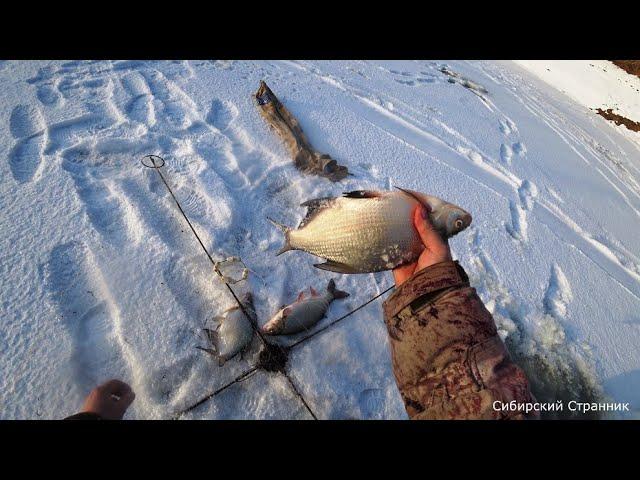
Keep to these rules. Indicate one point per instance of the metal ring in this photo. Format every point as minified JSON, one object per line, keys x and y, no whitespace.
{"x":155,"y":160}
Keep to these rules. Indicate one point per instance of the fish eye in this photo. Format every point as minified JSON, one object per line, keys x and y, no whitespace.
{"x":458,"y":224}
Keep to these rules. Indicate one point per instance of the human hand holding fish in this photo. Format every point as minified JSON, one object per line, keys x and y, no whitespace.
{"x":436,"y":249}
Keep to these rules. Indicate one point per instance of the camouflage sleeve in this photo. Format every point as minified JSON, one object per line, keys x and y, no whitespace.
{"x":84,"y":416}
{"x":448,"y":359}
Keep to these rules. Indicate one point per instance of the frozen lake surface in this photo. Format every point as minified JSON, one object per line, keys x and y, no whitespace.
{"x":101,"y":277}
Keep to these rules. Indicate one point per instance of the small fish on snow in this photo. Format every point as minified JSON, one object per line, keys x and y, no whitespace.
{"x":369,"y":231}
{"x":304,"y":313}
{"x":233,"y":333}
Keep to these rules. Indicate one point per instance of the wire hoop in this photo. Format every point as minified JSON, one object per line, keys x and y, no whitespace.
{"x":152,"y":161}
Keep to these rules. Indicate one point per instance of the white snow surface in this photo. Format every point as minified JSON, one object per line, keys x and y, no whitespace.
{"x":593,"y":84}
{"x":101,"y":277}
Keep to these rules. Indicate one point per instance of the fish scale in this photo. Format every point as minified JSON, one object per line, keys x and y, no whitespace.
{"x":234,"y":332}
{"x":350,"y":227}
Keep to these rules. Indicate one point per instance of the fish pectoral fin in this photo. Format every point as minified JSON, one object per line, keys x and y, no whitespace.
{"x":337,"y":267}
{"x":212,"y":336}
{"x":210,"y":351}
{"x":362,"y":194}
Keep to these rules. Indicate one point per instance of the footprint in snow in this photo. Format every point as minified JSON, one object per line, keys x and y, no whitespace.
{"x":27,"y":126}
{"x":222,"y":114}
{"x":75,"y":285}
{"x":558,"y":294}
{"x":506,"y":153}
{"x":527,"y":193}
{"x":507,"y":126}
{"x":46,"y":87}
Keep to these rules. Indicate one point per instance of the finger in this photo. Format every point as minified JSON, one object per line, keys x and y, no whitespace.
{"x":116,"y":387}
{"x":429,"y":236}
{"x":127,"y":399}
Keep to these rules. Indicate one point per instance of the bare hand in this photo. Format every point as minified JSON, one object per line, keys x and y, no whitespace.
{"x":110,"y":400}
{"x":436,"y":249}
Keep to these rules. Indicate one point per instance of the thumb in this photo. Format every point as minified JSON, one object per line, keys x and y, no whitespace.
{"x":428,"y":234}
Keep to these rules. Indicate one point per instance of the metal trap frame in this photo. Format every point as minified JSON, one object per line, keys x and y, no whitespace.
{"x":272,"y":357}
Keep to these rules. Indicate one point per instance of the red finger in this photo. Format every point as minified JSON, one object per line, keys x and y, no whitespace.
{"x":403,"y":272}
{"x":127,"y":399}
{"x":429,"y":236}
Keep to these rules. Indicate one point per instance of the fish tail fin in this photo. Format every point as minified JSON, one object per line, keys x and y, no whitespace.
{"x":331,"y":288}
{"x":282,"y":227}
{"x":287,"y":245}
{"x":285,"y":248}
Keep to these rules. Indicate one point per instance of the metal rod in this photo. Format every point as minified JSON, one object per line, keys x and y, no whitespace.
{"x":239,"y":378}
{"x":245,"y":374}
{"x":215,"y":268}
{"x":213,"y":262}
{"x":304,"y":402}
{"x":331,"y":324}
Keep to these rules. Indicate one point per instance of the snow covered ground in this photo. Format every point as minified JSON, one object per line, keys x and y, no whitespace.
{"x":593,"y":84}
{"x":100,"y":276}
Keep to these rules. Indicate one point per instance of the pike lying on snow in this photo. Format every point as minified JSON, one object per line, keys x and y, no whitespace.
{"x":304,"y":313}
{"x":368,"y":231}
{"x":233,"y":333}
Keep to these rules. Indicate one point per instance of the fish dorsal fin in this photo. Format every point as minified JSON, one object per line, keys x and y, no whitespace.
{"x":410,"y":194}
{"x":314,"y":207}
{"x":313,"y":292}
{"x":300,"y":297}
{"x":335,"y":267}
{"x":316,"y":203}
{"x":362,"y":194}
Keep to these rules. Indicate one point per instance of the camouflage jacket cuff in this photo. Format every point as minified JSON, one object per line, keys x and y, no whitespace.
{"x":428,"y":280}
